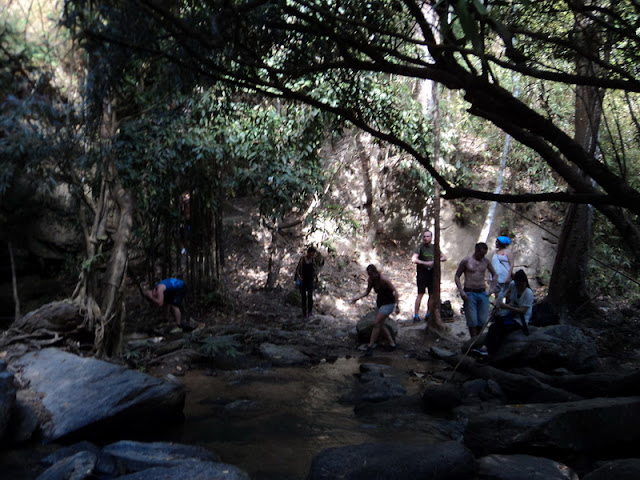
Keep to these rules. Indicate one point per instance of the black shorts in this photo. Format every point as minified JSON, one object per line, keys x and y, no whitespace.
{"x":175,"y":297}
{"x":424,"y":279}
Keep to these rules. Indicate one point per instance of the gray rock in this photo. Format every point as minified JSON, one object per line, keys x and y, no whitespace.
{"x":547,"y":349}
{"x":365,"y":325}
{"x":191,"y":470}
{"x":378,"y":383}
{"x":283,"y":355}
{"x":481,"y":390}
{"x":624,"y":469}
{"x":579,"y":426}
{"x":129,"y":457}
{"x":25,"y":421}
{"x":69,"y":451}
{"x":79,"y":466}
{"x":7,"y":399}
{"x":394,"y":461}
{"x":518,"y":467}
{"x":441,"y":397}
{"x":93,"y":398}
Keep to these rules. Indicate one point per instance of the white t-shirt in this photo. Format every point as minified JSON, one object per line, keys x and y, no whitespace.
{"x":524,"y":300}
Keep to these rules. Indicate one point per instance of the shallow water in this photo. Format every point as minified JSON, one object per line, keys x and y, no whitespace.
{"x":272,"y":422}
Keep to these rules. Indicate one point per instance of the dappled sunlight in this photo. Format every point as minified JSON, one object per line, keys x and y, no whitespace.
{"x":343,"y":306}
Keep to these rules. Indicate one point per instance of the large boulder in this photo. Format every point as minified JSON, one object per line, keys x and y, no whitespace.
{"x":378,"y":383}
{"x":623,"y":469}
{"x":93,"y":398}
{"x":138,"y":461}
{"x":365,"y":326}
{"x":580,"y":426}
{"x":283,"y":355}
{"x":548,"y":348}
{"x":394,"y":461}
{"x":7,"y":397}
{"x":518,"y":467}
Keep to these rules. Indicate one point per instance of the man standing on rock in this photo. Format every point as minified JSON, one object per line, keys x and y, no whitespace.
{"x":474,"y":294}
{"x":423,"y":257}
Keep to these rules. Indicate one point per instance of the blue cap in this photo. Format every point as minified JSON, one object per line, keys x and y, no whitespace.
{"x":504,"y":240}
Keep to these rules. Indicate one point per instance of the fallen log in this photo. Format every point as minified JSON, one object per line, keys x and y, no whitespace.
{"x":590,"y":385}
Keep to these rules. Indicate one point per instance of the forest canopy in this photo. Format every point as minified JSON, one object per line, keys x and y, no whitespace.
{"x":229,"y":93}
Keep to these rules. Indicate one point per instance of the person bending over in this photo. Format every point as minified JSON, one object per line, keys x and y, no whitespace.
{"x":386,"y":302}
{"x":168,"y":293}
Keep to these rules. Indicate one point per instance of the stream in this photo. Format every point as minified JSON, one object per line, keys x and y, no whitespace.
{"x":272,"y":422}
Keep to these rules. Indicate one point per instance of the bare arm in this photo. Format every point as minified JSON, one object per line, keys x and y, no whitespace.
{"x":416,"y":259}
{"x":369,"y":287}
{"x":156,"y":296}
{"x":298,"y":274}
{"x":511,"y":264}
{"x":459,"y":272}
{"x":494,"y":278}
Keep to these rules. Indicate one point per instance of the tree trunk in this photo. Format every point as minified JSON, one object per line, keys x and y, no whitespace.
{"x":14,"y":283}
{"x":568,"y":286}
{"x":276,"y":254}
{"x":111,"y":325}
{"x":370,"y":189}
{"x":434,"y":320}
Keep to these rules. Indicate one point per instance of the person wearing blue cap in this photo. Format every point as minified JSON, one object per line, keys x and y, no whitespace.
{"x":502,"y":262}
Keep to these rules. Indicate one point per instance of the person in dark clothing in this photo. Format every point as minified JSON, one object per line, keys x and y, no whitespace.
{"x":386,"y":302}
{"x":168,"y":293}
{"x":423,"y":257}
{"x":305,"y":280}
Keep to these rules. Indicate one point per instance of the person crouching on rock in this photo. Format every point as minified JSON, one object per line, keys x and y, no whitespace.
{"x":386,"y":302}
{"x":168,"y":293}
{"x":514,"y":314}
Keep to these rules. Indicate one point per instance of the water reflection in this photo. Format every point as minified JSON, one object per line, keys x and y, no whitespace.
{"x":272,"y":422}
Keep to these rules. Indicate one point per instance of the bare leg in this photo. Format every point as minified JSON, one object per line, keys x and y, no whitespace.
{"x":378,"y":322}
{"x":430,"y":305}
{"x":176,"y":313}
{"x":387,"y":334}
{"x":416,"y":308}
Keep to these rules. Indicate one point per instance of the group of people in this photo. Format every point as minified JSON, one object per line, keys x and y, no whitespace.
{"x":512,"y":306}
{"x":513,"y":297}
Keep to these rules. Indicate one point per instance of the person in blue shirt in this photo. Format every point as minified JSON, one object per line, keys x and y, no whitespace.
{"x":168,"y":293}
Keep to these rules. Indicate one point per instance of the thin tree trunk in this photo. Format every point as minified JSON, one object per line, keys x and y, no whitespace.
{"x":276,"y":254}
{"x":14,"y":283}
{"x":568,"y":286}
{"x":434,"y":319}
{"x":370,"y":190}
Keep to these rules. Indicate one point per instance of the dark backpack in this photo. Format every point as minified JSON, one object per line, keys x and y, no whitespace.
{"x":544,"y":314}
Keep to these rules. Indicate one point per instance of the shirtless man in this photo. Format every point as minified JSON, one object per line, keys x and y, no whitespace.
{"x":474,"y":294}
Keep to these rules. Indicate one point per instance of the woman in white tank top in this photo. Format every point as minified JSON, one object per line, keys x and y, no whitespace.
{"x":502,"y":262}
